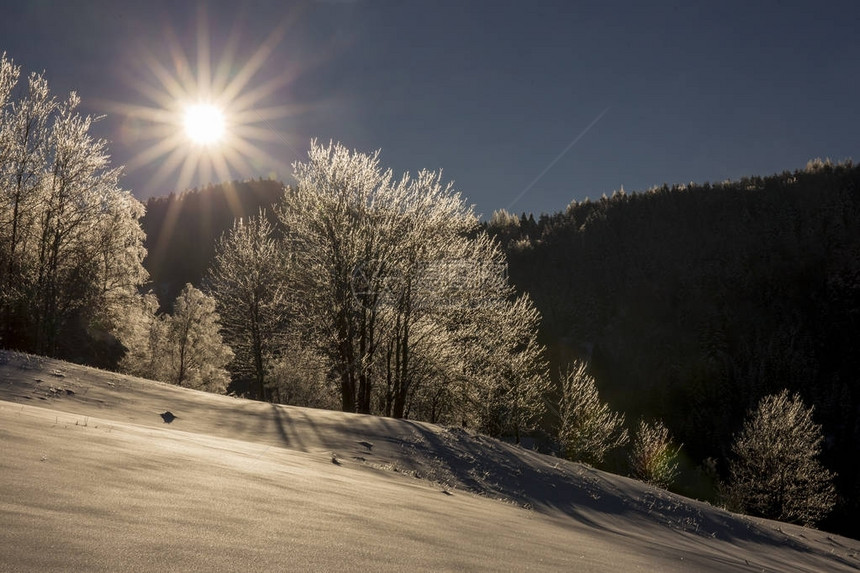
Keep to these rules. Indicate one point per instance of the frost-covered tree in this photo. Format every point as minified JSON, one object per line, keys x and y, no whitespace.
{"x":398,"y":285}
{"x":247,"y":280}
{"x":429,"y":253}
{"x":506,"y":382}
{"x":330,"y":220}
{"x":183,"y":348}
{"x":196,"y":354}
{"x":143,"y":334}
{"x":654,"y":458}
{"x":70,"y":242}
{"x":776,"y":472}
{"x":300,"y":377}
{"x":588,"y":428}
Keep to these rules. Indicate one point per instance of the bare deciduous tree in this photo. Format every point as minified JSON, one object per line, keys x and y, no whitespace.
{"x":506,"y":382}
{"x":404,"y":295}
{"x":70,"y":243}
{"x":327,"y":221}
{"x":776,"y":472}
{"x":142,"y":333}
{"x":654,"y":458}
{"x":300,"y":377}
{"x":184,"y":348}
{"x":589,"y":429}
{"x":247,"y":280}
{"x":197,"y":355}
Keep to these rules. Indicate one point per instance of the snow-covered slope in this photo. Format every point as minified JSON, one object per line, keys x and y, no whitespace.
{"x":92,"y":478}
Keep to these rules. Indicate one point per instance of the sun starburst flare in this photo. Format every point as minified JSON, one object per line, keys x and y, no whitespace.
{"x":206,"y":123}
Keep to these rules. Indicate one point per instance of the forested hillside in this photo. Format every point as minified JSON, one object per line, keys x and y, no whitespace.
{"x":693,"y":302}
{"x":181,"y":229}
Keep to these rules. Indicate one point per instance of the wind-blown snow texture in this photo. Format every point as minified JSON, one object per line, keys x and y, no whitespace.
{"x":94,"y":479}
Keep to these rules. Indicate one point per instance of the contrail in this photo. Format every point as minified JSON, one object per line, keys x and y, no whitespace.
{"x":554,"y":161}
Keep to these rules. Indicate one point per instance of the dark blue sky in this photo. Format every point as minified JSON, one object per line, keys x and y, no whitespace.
{"x":492,"y":92}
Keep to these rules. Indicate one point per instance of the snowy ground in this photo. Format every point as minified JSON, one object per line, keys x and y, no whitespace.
{"x":92,"y":479}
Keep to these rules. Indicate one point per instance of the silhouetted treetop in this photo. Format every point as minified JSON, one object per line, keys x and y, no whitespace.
{"x":181,"y":229}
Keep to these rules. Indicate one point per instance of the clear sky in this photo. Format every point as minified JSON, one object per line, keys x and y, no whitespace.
{"x":524,"y":105}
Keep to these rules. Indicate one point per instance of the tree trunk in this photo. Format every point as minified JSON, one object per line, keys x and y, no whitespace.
{"x":347,"y":392}
{"x":259,"y":369}
{"x":403,"y":382}
{"x":389,"y":380}
{"x":365,"y":368}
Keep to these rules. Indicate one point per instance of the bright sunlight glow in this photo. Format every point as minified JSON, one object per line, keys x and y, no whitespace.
{"x":207,"y":119}
{"x":204,"y":124}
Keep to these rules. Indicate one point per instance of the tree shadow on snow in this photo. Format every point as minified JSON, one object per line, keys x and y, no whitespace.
{"x":497,"y":469}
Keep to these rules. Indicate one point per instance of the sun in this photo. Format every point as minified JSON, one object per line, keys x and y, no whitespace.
{"x":204,"y":123}
{"x":206,"y":119}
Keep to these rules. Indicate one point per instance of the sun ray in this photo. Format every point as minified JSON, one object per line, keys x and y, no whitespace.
{"x":178,"y":86}
{"x":173,"y":82}
{"x":222,"y":170}
{"x":159,"y":96}
{"x":252,"y":114}
{"x":130,"y":111}
{"x":237,"y":160}
{"x":260,"y":93}
{"x":192,"y":163}
{"x":247,"y":72}
{"x":257,"y":133}
{"x":155,"y":151}
{"x":166,"y":236}
{"x":204,"y":86}
{"x":221,"y":77}
{"x":253,"y":152}
{"x":170,"y":165}
{"x":181,"y":63}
